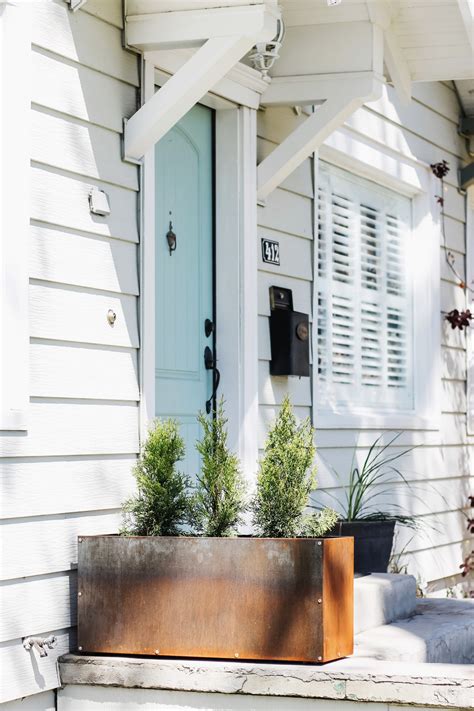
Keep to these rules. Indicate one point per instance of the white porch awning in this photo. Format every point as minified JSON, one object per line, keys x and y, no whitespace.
{"x":333,"y":57}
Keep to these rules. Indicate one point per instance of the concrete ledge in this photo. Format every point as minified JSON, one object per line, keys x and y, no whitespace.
{"x":381,"y":598}
{"x":355,"y":679}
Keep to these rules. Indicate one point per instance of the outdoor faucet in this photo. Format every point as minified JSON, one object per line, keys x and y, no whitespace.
{"x":41,"y":644}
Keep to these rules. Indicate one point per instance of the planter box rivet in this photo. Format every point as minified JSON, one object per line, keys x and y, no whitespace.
{"x":280,"y":599}
{"x":79,"y":594}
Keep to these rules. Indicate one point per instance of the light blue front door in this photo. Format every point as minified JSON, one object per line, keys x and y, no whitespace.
{"x":184,"y":275}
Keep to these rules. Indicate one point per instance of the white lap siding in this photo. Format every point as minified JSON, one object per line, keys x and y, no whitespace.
{"x":69,"y":473}
{"x":440,"y":470}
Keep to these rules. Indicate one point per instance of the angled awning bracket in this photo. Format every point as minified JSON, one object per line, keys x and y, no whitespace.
{"x":213,"y":59}
{"x":340,"y":99}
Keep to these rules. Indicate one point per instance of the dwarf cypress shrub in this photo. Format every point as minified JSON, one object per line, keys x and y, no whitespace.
{"x":218,"y":502}
{"x":161,"y":505}
{"x":286,"y":478}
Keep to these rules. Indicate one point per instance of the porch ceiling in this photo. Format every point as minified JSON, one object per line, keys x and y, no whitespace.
{"x":435,"y":38}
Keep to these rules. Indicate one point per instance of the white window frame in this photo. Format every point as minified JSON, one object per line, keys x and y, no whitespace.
{"x":236,"y":267}
{"x":15,"y":78}
{"x":371,"y":160}
{"x":470,"y":305}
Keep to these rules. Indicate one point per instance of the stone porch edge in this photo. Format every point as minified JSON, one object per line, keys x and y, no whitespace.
{"x":354,"y":679}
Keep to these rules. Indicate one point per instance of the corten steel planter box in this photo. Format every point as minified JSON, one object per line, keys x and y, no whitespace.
{"x":246,"y":598}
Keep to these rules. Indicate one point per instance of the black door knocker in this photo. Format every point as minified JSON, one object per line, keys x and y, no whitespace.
{"x":171,"y":239}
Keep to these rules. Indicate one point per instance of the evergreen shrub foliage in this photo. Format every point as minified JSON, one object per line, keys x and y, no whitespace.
{"x":286,"y":478}
{"x":161,"y":506}
{"x":219,"y":500}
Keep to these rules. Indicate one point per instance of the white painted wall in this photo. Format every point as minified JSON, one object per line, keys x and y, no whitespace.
{"x":439,"y":470}
{"x":97,"y":698}
{"x":70,"y":471}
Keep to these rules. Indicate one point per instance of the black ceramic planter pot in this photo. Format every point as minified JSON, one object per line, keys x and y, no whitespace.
{"x":372,"y":543}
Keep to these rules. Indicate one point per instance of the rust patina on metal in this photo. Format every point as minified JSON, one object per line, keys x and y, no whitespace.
{"x":245,"y":598}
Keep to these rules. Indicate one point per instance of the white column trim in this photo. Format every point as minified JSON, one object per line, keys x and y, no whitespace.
{"x":147,"y":270}
{"x":237,"y":279}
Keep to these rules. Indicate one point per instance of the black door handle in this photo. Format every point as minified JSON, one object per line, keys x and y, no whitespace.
{"x":210,"y":364}
{"x":217,"y":379}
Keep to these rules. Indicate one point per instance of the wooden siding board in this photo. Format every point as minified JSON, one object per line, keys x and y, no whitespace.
{"x":272,"y":390}
{"x":434,"y":530}
{"x":437,"y":563}
{"x":49,"y":545}
{"x":453,"y":396}
{"x":81,"y":38}
{"x":63,"y":200}
{"x":73,"y":89}
{"x":43,"y":701}
{"x":295,"y":255}
{"x":76,"y":371}
{"x":65,"y":428}
{"x":452,"y":432}
{"x":73,"y":314}
{"x":24,"y":673}
{"x":439,"y":98}
{"x":86,"y":260}
{"x":29,"y":607}
{"x":455,"y":235}
{"x":287,"y":212}
{"x":421,"y":499}
{"x":334,"y":464}
{"x":88,"y":150}
{"x":62,"y":484}
{"x":454,"y":364}
{"x":419,"y":120}
{"x":264,"y":348}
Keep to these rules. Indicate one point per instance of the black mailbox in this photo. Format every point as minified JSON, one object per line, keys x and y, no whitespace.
{"x":289,"y":335}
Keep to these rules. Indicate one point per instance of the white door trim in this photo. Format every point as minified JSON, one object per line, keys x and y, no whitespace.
{"x":236,"y":275}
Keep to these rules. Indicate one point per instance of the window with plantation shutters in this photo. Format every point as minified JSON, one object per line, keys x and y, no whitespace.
{"x":364,"y":314}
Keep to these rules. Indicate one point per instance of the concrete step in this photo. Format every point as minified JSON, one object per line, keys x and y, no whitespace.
{"x":381,"y":598}
{"x":441,"y":632}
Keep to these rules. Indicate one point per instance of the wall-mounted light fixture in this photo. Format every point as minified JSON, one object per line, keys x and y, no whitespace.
{"x":266,"y":53}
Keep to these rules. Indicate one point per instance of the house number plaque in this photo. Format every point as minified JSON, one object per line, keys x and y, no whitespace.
{"x":271,"y":252}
